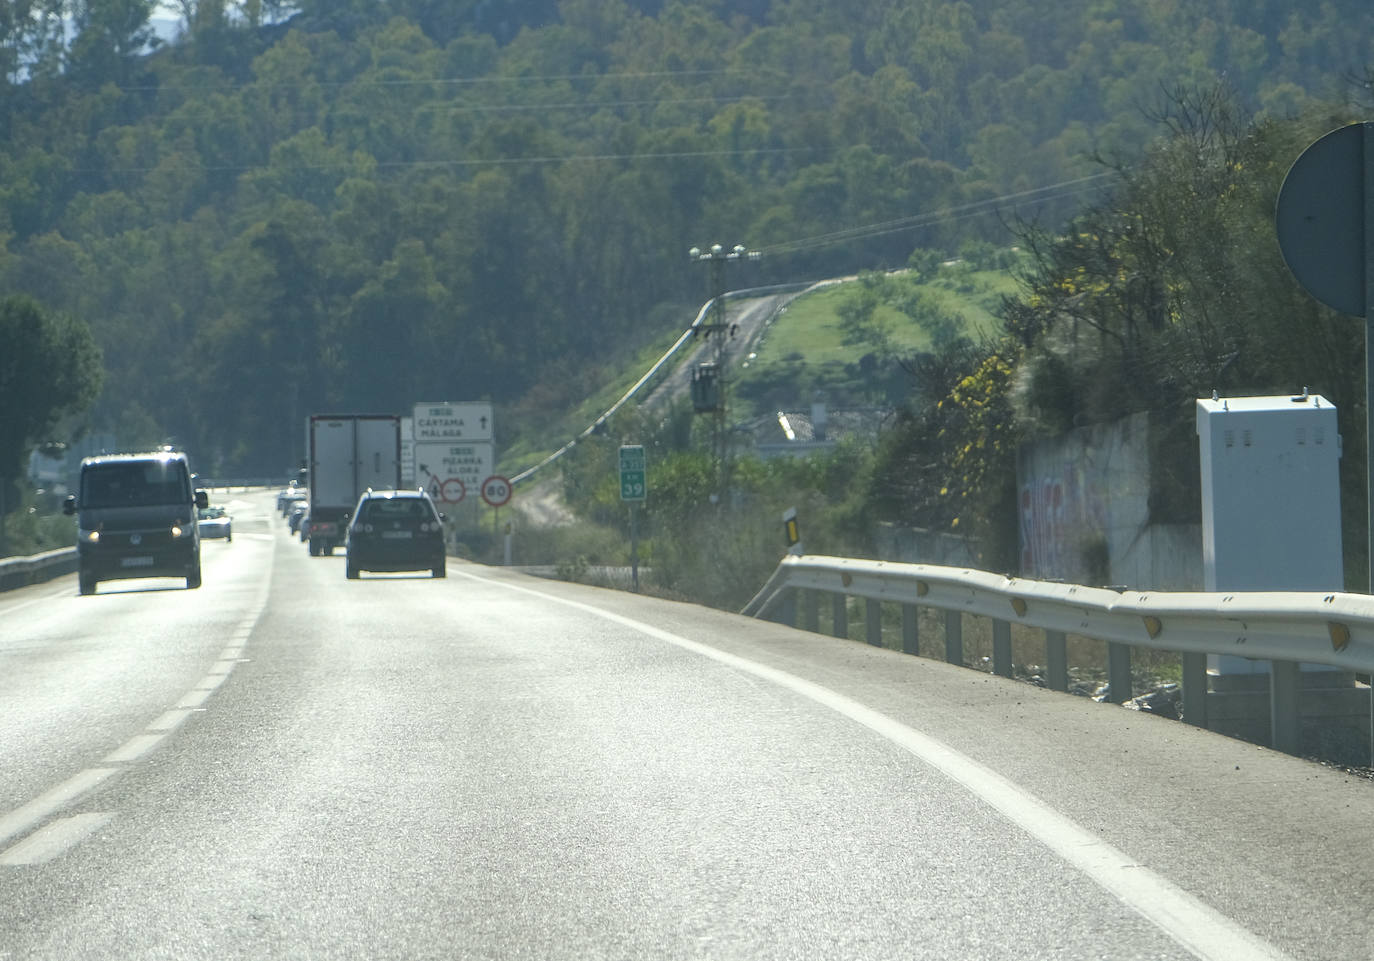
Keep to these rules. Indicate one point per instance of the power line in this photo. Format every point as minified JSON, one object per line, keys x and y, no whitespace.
{"x":595,"y":104}
{"x":595,"y":158}
{"x":442,"y":164}
{"x":431,"y":81}
{"x":948,"y":214}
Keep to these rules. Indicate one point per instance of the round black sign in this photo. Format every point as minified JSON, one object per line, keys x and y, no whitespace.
{"x":1321,"y":217}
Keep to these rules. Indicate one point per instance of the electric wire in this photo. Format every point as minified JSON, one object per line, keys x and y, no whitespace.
{"x":594,"y":104}
{"x":1066,"y":188}
{"x":427,"y":81}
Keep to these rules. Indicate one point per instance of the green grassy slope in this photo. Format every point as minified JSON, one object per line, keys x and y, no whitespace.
{"x":806,"y":355}
{"x":803,"y":355}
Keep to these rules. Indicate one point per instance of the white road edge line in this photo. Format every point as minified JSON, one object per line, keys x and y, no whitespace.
{"x":53,"y":839}
{"x":23,"y":818}
{"x":1205,"y":932}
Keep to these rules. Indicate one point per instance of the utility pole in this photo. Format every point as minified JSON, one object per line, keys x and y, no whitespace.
{"x":709,"y":392}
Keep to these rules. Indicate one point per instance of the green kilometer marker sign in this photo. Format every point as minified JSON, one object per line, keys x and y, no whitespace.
{"x":633,"y":484}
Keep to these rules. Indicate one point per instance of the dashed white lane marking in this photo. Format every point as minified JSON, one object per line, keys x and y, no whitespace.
{"x":53,"y":839}
{"x":1206,"y":933}
{"x":21,"y":819}
{"x":58,"y":836}
{"x":134,"y":748}
{"x":170,"y":721}
{"x":211,"y":681}
{"x":194,"y":699}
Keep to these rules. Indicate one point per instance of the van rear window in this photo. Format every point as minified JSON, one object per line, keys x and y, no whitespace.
{"x":135,"y":484}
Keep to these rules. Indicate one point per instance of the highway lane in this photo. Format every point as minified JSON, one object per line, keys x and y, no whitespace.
{"x":78,"y":675}
{"x":491,"y":766}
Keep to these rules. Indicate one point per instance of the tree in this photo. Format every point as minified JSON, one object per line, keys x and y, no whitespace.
{"x":1173,"y":286}
{"x":200,"y":16}
{"x":32,"y":36}
{"x":265,"y":356}
{"x":110,"y":35}
{"x":949,"y":462}
{"x":50,"y":368}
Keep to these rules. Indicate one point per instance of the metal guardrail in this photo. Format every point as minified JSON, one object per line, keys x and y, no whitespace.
{"x":22,"y":571}
{"x":1286,"y":628}
{"x":240,"y":485}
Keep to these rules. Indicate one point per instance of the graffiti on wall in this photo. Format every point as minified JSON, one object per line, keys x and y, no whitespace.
{"x":1082,"y":499}
{"x":1060,"y":517}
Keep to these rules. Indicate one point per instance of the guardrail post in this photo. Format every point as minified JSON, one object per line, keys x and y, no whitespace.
{"x":811,"y":611}
{"x":1001,"y":648}
{"x":873,"y":621}
{"x":787,"y":609}
{"x":954,"y":637}
{"x":911,"y":631}
{"x":1195,"y":689}
{"x":1118,"y":672}
{"x":1056,"y":660}
{"x":839,"y":615}
{"x":1284,"y":728}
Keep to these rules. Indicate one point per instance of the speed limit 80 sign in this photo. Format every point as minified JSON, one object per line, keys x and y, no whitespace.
{"x":496,"y":490}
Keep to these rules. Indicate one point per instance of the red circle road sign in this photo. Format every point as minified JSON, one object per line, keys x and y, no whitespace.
{"x":496,"y":490}
{"x":452,"y":491}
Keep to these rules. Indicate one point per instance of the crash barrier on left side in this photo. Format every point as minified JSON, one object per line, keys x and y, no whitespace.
{"x":37,"y":568}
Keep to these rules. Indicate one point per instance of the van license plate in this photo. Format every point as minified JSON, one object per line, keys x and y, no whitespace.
{"x":396,"y":535}
{"x":135,"y":562}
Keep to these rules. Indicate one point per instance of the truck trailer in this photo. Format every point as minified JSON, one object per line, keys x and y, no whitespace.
{"x":348,"y":453}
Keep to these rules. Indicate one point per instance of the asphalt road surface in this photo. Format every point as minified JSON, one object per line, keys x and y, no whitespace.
{"x":289,"y":764}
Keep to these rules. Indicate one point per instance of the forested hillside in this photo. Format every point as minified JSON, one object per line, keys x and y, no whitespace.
{"x":357,"y":204}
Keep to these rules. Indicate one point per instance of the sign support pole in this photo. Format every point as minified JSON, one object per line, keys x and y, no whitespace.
{"x":1368,"y":166}
{"x":1326,"y":236}
{"x":634,"y":487}
{"x":634,"y":546}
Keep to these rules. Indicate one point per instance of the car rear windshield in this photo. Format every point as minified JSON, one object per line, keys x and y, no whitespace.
{"x":397,"y":508}
{"x":135,"y":484}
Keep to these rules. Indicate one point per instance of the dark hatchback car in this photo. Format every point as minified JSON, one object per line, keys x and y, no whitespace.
{"x":395,"y":531}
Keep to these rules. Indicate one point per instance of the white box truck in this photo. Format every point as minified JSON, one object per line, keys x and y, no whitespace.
{"x":348,"y":453}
